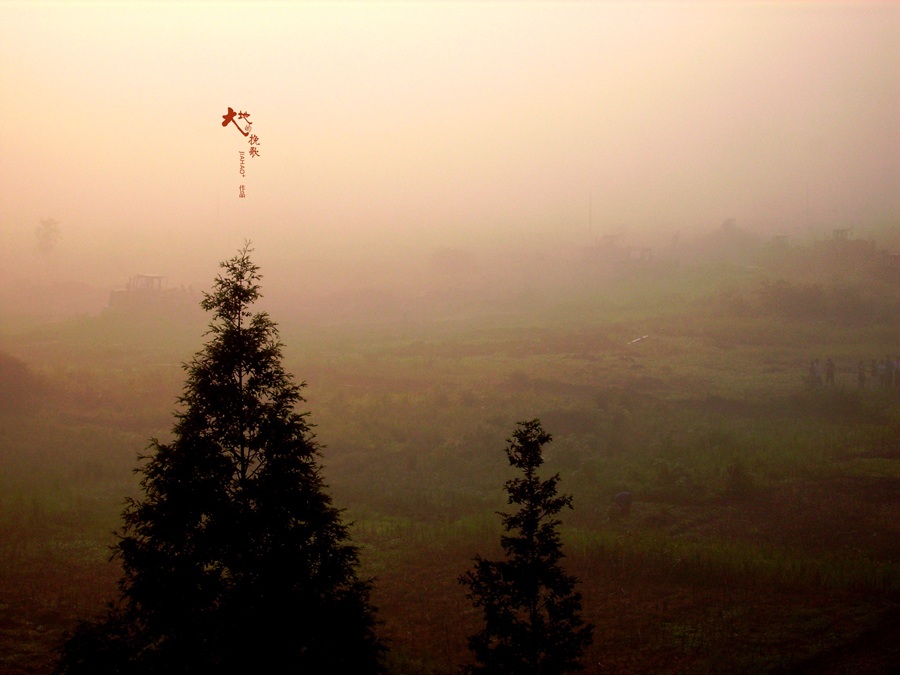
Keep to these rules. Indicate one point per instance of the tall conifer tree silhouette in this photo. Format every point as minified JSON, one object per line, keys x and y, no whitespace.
{"x":532,"y":614}
{"x":235,"y":559}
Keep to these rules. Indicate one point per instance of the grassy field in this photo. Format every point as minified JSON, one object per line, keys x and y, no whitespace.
{"x":765,"y":533}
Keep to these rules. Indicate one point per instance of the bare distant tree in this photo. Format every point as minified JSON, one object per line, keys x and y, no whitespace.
{"x":47,"y":234}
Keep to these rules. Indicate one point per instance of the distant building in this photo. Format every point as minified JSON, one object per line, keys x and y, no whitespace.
{"x":841,"y":234}
{"x":147,"y":292}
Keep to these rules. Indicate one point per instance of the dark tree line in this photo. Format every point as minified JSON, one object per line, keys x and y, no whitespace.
{"x":236,"y":561}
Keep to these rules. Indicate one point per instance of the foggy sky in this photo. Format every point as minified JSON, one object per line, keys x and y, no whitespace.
{"x":390,"y":126}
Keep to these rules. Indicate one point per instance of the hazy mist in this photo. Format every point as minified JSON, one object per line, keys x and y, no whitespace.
{"x":390,"y":132}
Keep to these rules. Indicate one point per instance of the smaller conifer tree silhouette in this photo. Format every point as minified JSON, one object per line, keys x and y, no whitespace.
{"x":532,"y":614}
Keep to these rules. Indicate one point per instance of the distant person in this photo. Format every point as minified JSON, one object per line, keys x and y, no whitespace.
{"x":812,"y":373}
{"x":861,"y":374}
{"x":816,"y":372}
{"x":622,"y":504}
{"x":829,"y":373}
{"x":883,"y":372}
